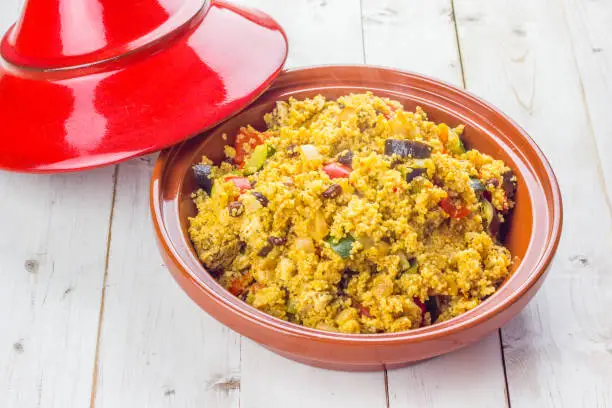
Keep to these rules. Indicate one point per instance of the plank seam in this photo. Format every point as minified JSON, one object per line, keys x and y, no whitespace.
{"x":507,"y":386}
{"x":363,"y":47}
{"x":94,"y":385}
{"x":587,"y":111}
{"x":458,"y":41}
{"x":464,"y":83}
{"x":386,"y":376}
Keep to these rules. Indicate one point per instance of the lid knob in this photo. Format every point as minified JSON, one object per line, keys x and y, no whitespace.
{"x":54,"y":34}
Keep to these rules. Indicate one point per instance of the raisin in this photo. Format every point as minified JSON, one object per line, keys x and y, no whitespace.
{"x":263,"y":200}
{"x":277,"y":241}
{"x":332,"y":191}
{"x":236,"y":209}
{"x":492,"y":182}
{"x":292,"y":151}
{"x":265,"y":251}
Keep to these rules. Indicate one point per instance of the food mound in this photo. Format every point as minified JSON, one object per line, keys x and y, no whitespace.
{"x":354,"y":216}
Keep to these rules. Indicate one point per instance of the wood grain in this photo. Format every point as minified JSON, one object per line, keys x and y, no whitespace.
{"x":420,"y":36}
{"x":53,"y":238}
{"x":519,"y":55}
{"x":52,"y":257}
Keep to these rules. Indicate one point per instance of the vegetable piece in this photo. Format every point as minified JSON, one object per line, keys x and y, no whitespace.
{"x":414,"y":266}
{"x":509,"y":184}
{"x":477,"y":185}
{"x":242,"y":183}
{"x":318,"y":228}
{"x":246,"y":140}
{"x":337,"y":170}
{"x":421,"y":306}
{"x":240,"y":284}
{"x":407,"y":148}
{"x":414,"y":173}
{"x":342,"y":246}
{"x":364,"y":311}
{"x":271,"y":150}
{"x":256,"y":160}
{"x":490,"y":217}
{"x":443,"y":132}
{"x":310,"y":152}
{"x":263,"y":200}
{"x":202,"y":174}
{"x":346,"y":158}
{"x":304,"y":244}
{"x":453,"y":211}
{"x":347,"y":274}
{"x":432,"y":305}
{"x":456,"y":146}
{"x":332,"y":191}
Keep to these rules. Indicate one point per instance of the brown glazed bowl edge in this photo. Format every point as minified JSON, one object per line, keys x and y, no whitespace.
{"x":367,"y":351}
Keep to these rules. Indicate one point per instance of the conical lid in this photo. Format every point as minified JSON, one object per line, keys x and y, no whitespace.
{"x":86,"y":83}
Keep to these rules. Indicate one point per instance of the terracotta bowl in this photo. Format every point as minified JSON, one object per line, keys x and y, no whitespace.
{"x":532,"y":236}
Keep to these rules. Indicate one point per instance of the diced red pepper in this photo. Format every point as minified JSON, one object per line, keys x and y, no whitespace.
{"x":246,"y":141}
{"x":364,"y":311}
{"x":421,"y":306}
{"x":453,"y":211}
{"x":337,"y":170}
{"x":242,"y":183}
{"x":240,"y":284}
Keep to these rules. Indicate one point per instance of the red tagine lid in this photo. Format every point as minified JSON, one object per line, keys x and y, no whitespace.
{"x":86,"y":83}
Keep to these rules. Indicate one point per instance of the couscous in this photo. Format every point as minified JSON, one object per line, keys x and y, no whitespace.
{"x":354,"y":215}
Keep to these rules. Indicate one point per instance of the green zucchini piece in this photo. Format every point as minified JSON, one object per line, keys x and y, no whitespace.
{"x":271,"y":150}
{"x":456,"y":146}
{"x":414,"y":266}
{"x":256,"y":160}
{"x":488,"y":212}
{"x":477,"y":185}
{"x":342,"y":246}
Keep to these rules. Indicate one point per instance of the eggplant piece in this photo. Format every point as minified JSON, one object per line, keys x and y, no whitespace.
{"x":346,"y":158}
{"x":407,"y":148}
{"x":414,"y":173}
{"x":202,"y":174}
{"x":347,"y":274}
{"x":432,"y":305}
{"x":490,"y":217}
{"x":509,"y":184}
{"x":477,"y":185}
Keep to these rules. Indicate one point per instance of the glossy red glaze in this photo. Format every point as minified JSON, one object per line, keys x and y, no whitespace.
{"x":93,"y":82}
{"x":533,"y":234}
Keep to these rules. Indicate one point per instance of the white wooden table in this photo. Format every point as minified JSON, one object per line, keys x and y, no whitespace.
{"x":89,"y":316}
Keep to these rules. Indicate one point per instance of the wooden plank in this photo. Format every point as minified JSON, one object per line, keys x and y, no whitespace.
{"x":320,"y":32}
{"x":519,"y":55}
{"x":52,"y":253}
{"x":157,"y":348}
{"x":52,"y":257}
{"x":589,"y":23}
{"x":412,"y":35}
{"x":420,"y":36}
